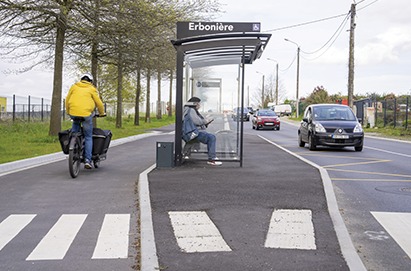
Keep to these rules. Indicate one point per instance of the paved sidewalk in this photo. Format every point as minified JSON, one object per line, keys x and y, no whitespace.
{"x":271,"y":214}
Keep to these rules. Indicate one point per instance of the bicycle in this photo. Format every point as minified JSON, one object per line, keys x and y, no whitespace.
{"x":72,"y":143}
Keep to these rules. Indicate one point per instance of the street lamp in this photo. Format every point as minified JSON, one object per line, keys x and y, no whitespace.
{"x":298,"y":73}
{"x":262,"y":90}
{"x":276,"y":79}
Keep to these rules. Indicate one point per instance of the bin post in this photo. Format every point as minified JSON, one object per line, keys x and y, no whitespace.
{"x":164,"y":154}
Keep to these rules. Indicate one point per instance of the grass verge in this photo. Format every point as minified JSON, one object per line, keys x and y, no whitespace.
{"x":20,"y":140}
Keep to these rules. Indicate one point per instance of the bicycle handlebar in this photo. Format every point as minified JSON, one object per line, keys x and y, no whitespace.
{"x":100,"y":116}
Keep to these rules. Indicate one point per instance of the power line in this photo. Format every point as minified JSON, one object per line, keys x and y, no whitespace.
{"x":373,"y":2}
{"x":339,"y":30}
{"x":306,"y":23}
{"x":336,"y":35}
{"x":289,"y":66}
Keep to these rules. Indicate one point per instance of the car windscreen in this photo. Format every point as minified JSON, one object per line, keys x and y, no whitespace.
{"x":245,"y":110}
{"x":268,"y":113}
{"x":333,"y":113}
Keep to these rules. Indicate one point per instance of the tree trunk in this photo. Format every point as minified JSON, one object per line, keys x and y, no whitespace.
{"x":159,"y":95}
{"x":55,"y":118}
{"x":137,"y":102}
{"x":147,"y":120}
{"x":119,"y":93}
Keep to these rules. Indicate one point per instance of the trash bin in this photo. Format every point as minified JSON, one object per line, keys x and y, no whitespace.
{"x":165,"y":157}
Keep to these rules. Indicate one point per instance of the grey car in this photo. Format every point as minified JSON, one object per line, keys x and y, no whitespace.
{"x":237,"y":115}
{"x":332,"y":125}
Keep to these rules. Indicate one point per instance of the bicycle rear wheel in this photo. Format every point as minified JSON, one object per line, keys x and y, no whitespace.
{"x":74,"y":159}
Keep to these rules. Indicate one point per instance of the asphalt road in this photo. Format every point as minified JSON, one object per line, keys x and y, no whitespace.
{"x":50,"y":221}
{"x":373,"y":189}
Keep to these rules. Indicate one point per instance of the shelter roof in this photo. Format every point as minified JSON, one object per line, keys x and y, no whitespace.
{"x":222,"y":49}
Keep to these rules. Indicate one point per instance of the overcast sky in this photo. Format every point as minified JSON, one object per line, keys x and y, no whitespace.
{"x":382,"y":48}
{"x":382,"y":44}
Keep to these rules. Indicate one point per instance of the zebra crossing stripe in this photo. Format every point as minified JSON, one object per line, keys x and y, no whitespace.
{"x":195,"y":232}
{"x":291,"y":229}
{"x":398,"y":225}
{"x":11,"y":226}
{"x":112,"y":241}
{"x":57,"y":241}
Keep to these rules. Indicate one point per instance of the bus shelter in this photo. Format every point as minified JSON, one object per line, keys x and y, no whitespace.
{"x":206,"y":44}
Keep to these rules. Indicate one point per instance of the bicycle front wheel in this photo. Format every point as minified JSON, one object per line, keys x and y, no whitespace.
{"x":74,"y":159}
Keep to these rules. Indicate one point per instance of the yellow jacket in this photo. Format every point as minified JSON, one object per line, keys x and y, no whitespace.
{"x":82,"y":99}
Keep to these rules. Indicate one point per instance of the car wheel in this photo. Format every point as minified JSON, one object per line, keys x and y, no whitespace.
{"x":301,"y":143}
{"x":359,"y":148}
{"x":311,"y":143}
{"x":278,"y":128}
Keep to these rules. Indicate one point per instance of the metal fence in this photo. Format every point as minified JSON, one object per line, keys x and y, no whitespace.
{"x":387,"y":113}
{"x":29,"y":108}
{"x":24,"y":108}
{"x":395,"y":113}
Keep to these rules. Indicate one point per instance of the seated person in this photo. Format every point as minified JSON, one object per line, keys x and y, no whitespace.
{"x":191,"y":108}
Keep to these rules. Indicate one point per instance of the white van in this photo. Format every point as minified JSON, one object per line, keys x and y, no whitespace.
{"x":282,"y":109}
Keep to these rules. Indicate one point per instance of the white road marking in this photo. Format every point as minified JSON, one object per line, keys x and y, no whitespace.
{"x":226,"y":123}
{"x":390,"y":152}
{"x":57,"y":241}
{"x":112,"y":241}
{"x":11,"y":226}
{"x":291,"y":229}
{"x":195,"y":232}
{"x":398,"y":225}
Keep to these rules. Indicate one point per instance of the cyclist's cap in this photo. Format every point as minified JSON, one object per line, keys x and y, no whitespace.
{"x":87,"y":76}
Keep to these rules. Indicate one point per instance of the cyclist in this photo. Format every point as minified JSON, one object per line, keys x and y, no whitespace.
{"x":81,"y":101}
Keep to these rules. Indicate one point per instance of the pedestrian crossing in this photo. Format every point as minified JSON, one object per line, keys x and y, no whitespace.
{"x":195,"y":231}
{"x":398,"y":225}
{"x":289,"y":229}
{"x":112,"y":241}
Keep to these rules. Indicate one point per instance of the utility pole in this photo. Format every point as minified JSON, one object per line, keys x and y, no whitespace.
{"x":276,"y":79}
{"x":262,"y":90}
{"x":298,"y":77}
{"x":262,"y":94}
{"x":298,"y":82}
{"x":351,"y":59}
{"x":276,"y":83}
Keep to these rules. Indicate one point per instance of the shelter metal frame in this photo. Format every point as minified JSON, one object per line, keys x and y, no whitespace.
{"x":210,"y":50}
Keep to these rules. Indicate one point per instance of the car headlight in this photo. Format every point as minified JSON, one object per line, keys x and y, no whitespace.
{"x":319,"y":128}
{"x":358,"y":128}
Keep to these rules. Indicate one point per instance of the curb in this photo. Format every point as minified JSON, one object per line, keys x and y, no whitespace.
{"x":16,"y":166}
{"x":347,"y":248}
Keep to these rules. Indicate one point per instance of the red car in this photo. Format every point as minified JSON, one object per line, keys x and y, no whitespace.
{"x":266,"y":119}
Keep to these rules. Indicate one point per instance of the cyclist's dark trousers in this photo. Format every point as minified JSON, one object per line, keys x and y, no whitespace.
{"x":88,"y":134}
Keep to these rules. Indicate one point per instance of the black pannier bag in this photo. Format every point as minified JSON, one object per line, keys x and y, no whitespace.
{"x":101,"y":141}
{"x":64,"y":138}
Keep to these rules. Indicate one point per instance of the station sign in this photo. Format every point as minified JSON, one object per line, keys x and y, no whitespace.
{"x":209,"y":84}
{"x":193,"y":29}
